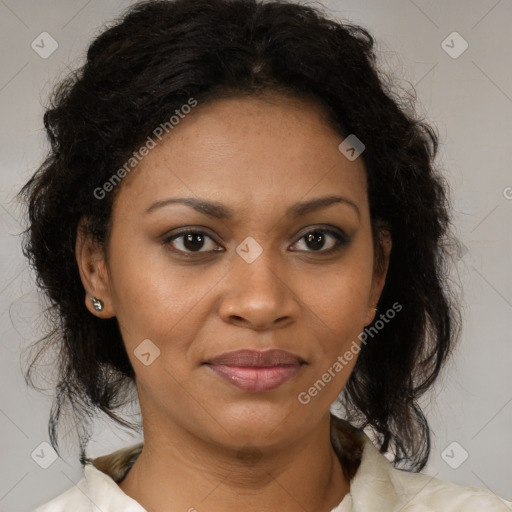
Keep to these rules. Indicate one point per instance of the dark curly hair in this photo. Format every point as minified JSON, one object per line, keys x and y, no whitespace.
{"x":138,"y":72}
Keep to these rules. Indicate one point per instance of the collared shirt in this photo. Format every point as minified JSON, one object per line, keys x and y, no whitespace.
{"x":376,"y":486}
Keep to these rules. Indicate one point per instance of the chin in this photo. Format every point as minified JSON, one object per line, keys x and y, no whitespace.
{"x":258,"y":424}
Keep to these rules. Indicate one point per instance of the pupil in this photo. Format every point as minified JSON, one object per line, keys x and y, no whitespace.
{"x":317,"y":238}
{"x":189,"y":241}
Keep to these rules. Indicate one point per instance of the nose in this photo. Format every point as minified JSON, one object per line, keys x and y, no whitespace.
{"x":258,"y":295}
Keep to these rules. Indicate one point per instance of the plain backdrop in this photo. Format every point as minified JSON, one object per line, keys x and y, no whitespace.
{"x":466,"y":94}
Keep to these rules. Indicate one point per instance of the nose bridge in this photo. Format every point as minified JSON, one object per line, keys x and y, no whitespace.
{"x":257,"y":292}
{"x":256,"y":266}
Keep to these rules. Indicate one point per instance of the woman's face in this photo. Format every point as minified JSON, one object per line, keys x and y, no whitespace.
{"x":258,"y":274}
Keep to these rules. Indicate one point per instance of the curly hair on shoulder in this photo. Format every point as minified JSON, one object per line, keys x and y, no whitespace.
{"x":137,"y":73}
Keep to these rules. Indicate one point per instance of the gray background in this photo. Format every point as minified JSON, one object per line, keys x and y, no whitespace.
{"x":468,"y":98}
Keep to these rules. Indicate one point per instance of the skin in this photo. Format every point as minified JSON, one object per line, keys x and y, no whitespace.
{"x":258,"y":156}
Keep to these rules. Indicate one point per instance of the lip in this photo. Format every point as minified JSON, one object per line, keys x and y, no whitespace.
{"x":247,"y":357}
{"x":254,"y":370}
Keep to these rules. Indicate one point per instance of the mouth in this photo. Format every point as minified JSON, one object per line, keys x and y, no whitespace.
{"x":256,"y":371}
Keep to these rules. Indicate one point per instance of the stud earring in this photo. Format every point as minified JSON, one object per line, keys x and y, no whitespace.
{"x":97,"y":303}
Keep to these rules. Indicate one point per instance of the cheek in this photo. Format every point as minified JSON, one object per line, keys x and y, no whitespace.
{"x":336,"y":310}
{"x":340,"y":298}
{"x":150,"y":296}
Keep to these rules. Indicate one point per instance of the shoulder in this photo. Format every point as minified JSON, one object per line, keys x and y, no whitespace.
{"x":73,"y":499}
{"x":98,"y":491}
{"x":379,"y":483}
{"x":424,"y":493}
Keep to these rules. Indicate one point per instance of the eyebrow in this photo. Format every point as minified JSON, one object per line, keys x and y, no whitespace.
{"x":220,"y":211}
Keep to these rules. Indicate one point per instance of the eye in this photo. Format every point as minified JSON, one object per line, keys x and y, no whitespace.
{"x":190,"y":241}
{"x":316,"y":239}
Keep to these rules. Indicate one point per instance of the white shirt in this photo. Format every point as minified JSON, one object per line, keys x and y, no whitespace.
{"x":377,"y":486}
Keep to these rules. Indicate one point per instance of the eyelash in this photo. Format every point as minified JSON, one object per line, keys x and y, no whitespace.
{"x":341,"y":240}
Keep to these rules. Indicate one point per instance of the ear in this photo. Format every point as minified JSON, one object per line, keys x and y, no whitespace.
{"x":91,"y":260}
{"x":380,"y":271}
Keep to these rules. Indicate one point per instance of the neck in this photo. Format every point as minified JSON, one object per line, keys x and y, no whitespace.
{"x":188,"y":473}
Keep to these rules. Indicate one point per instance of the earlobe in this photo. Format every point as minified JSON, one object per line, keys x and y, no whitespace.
{"x":372,"y":311}
{"x":93,"y":271}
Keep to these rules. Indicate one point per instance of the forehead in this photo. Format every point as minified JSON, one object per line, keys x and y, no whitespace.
{"x":246,"y":151}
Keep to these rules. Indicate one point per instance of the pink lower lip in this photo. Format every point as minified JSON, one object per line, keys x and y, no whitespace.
{"x":256,"y":378}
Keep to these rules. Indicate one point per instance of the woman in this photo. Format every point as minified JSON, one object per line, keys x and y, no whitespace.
{"x":239,"y":221}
